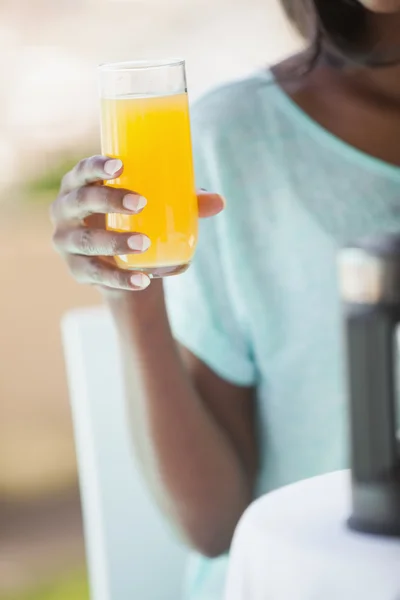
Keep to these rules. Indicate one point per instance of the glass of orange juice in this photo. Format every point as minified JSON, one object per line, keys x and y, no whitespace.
{"x":145,"y":123}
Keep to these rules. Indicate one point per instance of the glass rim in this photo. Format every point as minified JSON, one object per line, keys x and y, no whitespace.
{"x":136,"y":65}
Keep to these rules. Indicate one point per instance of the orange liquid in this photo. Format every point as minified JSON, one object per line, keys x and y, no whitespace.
{"x":151,"y":135}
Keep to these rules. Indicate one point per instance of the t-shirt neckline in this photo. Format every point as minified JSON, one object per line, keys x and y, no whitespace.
{"x":324,"y":136}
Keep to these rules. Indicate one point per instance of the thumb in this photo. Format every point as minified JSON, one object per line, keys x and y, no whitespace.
{"x":209,"y":204}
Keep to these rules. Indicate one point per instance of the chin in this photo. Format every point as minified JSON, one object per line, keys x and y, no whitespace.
{"x":382,"y":6}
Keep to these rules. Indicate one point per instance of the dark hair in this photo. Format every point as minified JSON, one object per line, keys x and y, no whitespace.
{"x":336,"y":28}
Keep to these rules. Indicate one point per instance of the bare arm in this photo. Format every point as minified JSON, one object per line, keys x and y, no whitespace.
{"x":194,"y":433}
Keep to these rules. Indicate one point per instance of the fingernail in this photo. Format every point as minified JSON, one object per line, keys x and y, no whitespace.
{"x":139,"y":242}
{"x":112,"y":166}
{"x":134,"y":202}
{"x":139,"y":280}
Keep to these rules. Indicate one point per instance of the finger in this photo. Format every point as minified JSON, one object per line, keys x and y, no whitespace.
{"x":210,"y":204}
{"x":98,"y":242}
{"x":96,"y":199}
{"x":92,"y":270}
{"x":91,"y":170}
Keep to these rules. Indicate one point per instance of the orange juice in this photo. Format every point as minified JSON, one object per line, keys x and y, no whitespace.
{"x":151,"y":135}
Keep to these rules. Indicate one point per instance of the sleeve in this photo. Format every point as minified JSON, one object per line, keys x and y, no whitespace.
{"x":201,"y":303}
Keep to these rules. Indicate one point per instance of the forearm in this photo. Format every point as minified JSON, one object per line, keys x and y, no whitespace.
{"x":191,"y":466}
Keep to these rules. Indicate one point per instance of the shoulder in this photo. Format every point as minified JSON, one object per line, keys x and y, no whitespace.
{"x":241,"y":101}
{"x":229,"y":104}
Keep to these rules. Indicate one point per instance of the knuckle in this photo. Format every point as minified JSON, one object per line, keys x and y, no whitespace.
{"x":86,"y":242}
{"x":81,"y":166}
{"x":120,"y":279}
{"x":87,"y":167}
{"x":115,"y":244}
{"x":89,"y":199}
{"x":80,"y":196}
{"x":94,"y":270}
{"x":109,"y":202}
{"x":82,"y":172}
{"x":94,"y":161}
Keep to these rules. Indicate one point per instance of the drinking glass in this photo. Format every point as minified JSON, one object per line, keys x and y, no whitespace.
{"x":145,"y":123}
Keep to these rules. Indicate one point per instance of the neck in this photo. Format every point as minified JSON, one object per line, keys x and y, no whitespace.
{"x":382,"y":84}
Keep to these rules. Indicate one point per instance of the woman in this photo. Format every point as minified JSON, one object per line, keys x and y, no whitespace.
{"x":252,"y":396}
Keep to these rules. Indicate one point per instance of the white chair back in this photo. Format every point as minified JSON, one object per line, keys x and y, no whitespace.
{"x":131,"y":552}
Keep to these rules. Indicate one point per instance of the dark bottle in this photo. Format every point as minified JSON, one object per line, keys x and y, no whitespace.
{"x":370,"y":288}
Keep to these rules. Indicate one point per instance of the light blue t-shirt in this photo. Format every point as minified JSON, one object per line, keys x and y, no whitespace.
{"x":260,"y":303}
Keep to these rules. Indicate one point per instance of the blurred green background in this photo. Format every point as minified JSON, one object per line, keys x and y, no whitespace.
{"x":73,"y":587}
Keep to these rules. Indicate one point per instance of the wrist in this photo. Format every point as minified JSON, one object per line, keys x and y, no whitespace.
{"x":141,"y":307}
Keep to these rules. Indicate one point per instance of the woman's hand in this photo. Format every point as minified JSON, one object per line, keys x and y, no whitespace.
{"x":78,"y":216}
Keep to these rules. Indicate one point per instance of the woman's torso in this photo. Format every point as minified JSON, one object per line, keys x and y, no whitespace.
{"x":295,"y":195}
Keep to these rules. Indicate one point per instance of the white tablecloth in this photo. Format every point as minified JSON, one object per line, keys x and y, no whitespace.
{"x":294,"y":544}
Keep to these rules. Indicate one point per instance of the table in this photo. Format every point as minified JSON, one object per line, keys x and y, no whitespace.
{"x":293,"y":544}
